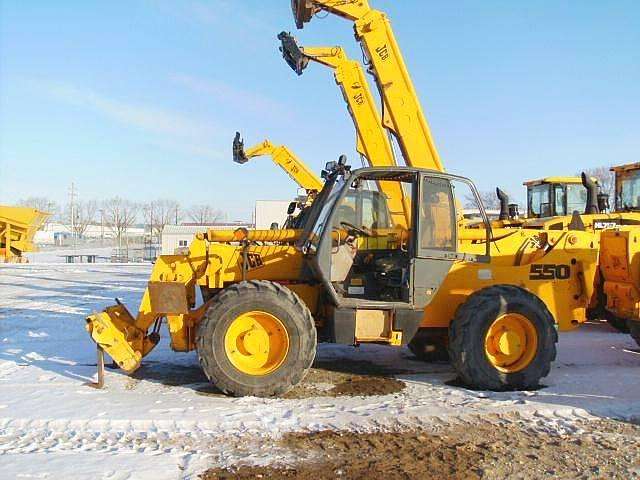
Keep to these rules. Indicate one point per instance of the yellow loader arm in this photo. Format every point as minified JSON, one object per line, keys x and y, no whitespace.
{"x":170,"y":294}
{"x":372,"y":139}
{"x":281,"y":156}
{"x":403,"y":113}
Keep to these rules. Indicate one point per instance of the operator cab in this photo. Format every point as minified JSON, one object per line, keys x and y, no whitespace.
{"x":555,"y":196}
{"x":373,"y":266}
{"x":379,"y":274}
{"x":627,"y":184}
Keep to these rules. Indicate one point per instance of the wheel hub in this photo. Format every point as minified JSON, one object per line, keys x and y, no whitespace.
{"x":511,"y":343}
{"x":256,"y":343}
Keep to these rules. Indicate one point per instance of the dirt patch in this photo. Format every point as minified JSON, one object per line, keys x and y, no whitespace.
{"x":603,"y":449}
{"x":332,"y":379}
{"x":320,"y":382}
{"x":328,"y":379}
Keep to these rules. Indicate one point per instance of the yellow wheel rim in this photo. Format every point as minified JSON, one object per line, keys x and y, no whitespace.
{"x":511,"y":343}
{"x":256,"y":343}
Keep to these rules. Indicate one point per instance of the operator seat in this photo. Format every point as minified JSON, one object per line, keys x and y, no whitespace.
{"x":437,"y":221}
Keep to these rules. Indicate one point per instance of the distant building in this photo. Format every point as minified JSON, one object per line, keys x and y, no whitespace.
{"x":59,"y":234}
{"x":180,"y":236}
{"x":268,"y":212}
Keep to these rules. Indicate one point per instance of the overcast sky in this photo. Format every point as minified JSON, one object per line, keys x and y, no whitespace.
{"x":141,"y":98}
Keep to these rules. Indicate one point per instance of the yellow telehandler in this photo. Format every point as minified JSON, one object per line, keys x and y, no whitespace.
{"x":353,"y":275}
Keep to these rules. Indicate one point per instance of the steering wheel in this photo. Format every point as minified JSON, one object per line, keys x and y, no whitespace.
{"x":362,"y":231}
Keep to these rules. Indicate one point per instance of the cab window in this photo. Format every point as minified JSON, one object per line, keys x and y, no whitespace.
{"x":437,"y":215}
{"x":576,"y":198}
{"x":560,"y":200}
{"x":538,"y":201}
{"x":628,"y":196}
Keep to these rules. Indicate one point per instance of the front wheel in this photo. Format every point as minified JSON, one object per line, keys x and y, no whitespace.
{"x":502,"y":338}
{"x":257,"y":338}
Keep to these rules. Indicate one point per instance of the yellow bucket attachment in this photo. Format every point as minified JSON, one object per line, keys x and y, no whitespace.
{"x":18,"y":226}
{"x":114,"y":330}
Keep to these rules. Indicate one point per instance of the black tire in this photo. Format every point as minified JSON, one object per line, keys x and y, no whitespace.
{"x":269,"y":297}
{"x":429,"y":345}
{"x":634,"y":330}
{"x":469,"y":327}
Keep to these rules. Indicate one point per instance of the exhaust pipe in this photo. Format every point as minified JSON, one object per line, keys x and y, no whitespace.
{"x":592,"y":195}
{"x":504,"y":204}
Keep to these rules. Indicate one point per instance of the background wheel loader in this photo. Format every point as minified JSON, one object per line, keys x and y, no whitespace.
{"x":616,"y":293}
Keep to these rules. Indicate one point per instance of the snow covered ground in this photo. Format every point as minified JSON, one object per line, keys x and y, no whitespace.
{"x":58,"y":254}
{"x":164,"y":424}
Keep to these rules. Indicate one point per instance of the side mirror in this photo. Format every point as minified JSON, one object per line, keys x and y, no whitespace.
{"x":330,"y":166}
{"x":292,"y":208}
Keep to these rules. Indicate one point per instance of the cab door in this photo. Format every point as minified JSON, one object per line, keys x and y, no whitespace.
{"x":439,"y":215}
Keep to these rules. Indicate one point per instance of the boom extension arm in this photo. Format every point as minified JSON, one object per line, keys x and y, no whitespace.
{"x":281,"y":156}
{"x":403,"y":113}
{"x":372,"y":140}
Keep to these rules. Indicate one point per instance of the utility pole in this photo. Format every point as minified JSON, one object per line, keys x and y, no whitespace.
{"x":151,"y":220}
{"x":72,"y":207}
{"x":102,"y":227}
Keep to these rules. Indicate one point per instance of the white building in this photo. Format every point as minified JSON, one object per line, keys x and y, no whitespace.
{"x":54,"y":233}
{"x":180,"y":236}
{"x":268,"y":212}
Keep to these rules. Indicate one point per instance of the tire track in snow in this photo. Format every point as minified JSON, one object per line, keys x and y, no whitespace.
{"x":31,"y":436}
{"x":20,"y":436}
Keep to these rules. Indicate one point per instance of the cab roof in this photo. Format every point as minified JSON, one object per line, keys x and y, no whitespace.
{"x":572,"y":180}
{"x":625,"y":168}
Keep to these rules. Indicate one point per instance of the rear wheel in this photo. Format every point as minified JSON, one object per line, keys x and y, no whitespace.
{"x":502,"y":338}
{"x":634,"y":329}
{"x":257,"y":338}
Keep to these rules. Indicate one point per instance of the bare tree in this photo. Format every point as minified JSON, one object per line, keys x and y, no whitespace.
{"x":204,"y":214}
{"x":605,"y":177}
{"x":80,"y":216}
{"x":119,"y":216}
{"x":43,"y":204}
{"x":489,"y":200}
{"x":159,"y":213}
